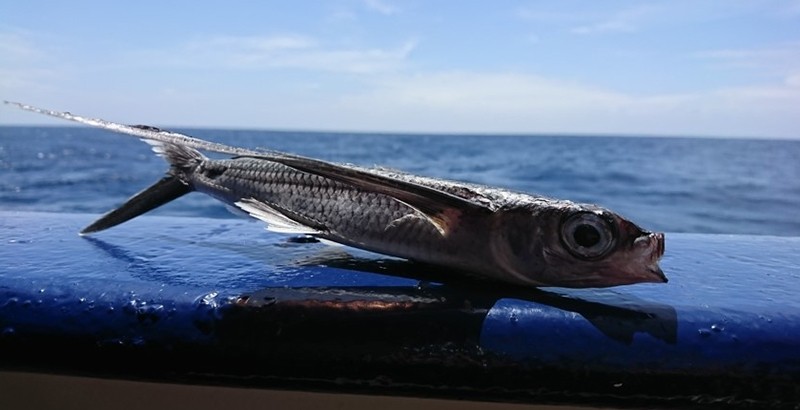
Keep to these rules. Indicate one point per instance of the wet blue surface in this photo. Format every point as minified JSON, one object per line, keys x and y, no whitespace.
{"x":169,"y":284}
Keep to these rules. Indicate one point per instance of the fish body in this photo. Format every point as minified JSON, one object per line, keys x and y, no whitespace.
{"x":485,"y":232}
{"x":338,"y":211}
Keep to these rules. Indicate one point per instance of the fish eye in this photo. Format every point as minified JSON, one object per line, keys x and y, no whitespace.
{"x":587,"y":235}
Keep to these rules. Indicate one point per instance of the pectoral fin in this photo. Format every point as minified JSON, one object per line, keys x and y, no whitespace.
{"x":167,"y":189}
{"x":440,"y":208}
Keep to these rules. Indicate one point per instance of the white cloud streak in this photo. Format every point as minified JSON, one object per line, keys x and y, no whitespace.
{"x":387,"y":93}
{"x":16,"y":47}
{"x":772,"y":59}
{"x":593,"y":22}
{"x":519,"y":103}
{"x":277,"y":52}
{"x":24,"y":65}
{"x":597,"y":20}
{"x":382,"y":7}
{"x":625,"y":21}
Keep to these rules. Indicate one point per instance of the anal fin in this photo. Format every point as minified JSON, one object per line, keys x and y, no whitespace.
{"x":165,"y":190}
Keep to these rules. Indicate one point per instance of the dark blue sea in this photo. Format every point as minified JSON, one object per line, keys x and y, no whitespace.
{"x":730,"y":186}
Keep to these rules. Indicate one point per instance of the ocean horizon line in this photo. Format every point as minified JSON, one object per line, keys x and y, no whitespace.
{"x":564,"y":134}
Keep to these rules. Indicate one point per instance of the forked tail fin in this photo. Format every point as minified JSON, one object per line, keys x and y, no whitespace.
{"x":183,"y":160}
{"x":167,"y":189}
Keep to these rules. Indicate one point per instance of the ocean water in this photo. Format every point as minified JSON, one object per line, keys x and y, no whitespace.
{"x":728,"y":186}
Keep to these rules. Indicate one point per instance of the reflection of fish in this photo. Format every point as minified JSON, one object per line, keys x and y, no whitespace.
{"x":488,"y":232}
{"x":462,"y":308}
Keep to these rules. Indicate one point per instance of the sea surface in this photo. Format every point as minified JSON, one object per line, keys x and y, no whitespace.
{"x":726,"y":186}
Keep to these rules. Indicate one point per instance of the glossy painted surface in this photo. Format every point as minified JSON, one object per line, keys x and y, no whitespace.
{"x":223,"y":301}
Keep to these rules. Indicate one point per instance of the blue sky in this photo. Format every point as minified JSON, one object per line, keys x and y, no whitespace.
{"x":698,"y":68}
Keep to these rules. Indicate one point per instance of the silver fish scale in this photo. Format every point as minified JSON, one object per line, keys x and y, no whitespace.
{"x":352,"y":216}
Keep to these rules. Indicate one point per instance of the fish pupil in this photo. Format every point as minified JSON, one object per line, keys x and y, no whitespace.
{"x":586,"y":235}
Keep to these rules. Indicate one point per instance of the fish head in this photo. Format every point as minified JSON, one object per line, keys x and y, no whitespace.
{"x":581,"y":246}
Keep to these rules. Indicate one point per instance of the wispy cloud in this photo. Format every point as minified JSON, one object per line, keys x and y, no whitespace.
{"x":382,"y":7}
{"x":276,"y":52}
{"x":515,"y":102}
{"x":24,"y":65}
{"x":783,"y":51}
{"x":793,"y":80}
{"x":24,"y":79}
{"x":597,"y":18}
{"x":342,"y":16}
{"x":593,"y":21}
{"x":15,"y":47}
{"x":341,"y":68}
{"x":256,"y":43}
{"x":779,"y":60}
{"x":625,"y":21}
{"x":483,"y":102}
{"x":547,"y":16}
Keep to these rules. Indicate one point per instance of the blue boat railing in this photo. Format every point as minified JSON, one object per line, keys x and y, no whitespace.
{"x":210,"y":301}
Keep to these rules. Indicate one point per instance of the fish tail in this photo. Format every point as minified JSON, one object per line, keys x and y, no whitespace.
{"x":182,"y":159}
{"x":167,"y":189}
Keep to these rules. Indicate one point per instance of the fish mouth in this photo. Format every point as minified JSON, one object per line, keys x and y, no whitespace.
{"x":656,"y":252}
{"x":652,"y":245}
